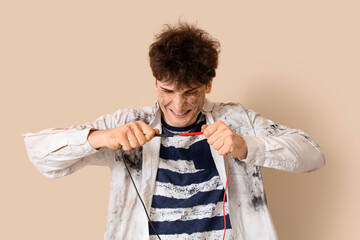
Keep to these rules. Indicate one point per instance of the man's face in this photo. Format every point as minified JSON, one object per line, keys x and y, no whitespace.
{"x":181,"y":106}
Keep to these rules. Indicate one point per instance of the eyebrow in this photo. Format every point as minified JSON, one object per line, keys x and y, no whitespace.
{"x":189,"y":90}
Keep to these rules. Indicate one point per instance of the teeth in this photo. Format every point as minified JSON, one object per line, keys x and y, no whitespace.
{"x":179,"y":114}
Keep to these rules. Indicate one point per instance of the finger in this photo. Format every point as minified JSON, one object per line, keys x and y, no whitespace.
{"x":132,"y":139}
{"x":219,"y":134}
{"x":225,"y":148}
{"x":141,"y":139}
{"x":218,"y":144}
{"x":210,"y":129}
{"x":215,"y":136}
{"x":124,"y":143}
{"x":223,"y":151}
{"x":148,"y":131}
{"x":112,"y":139}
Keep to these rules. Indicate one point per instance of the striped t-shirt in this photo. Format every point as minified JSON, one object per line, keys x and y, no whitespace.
{"x":188,"y":199}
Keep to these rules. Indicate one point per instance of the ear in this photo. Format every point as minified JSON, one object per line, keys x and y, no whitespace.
{"x":208,"y":86}
{"x":155,"y":84}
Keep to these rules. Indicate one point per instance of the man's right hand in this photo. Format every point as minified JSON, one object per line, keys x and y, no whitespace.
{"x":128,"y":136}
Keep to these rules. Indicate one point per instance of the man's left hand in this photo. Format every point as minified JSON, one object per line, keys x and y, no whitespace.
{"x":223,"y":139}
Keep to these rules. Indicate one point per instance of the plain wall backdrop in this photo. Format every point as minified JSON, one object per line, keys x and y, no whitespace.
{"x":69,"y":62}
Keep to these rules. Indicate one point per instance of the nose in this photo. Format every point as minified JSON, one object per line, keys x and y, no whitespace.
{"x":178,"y":103}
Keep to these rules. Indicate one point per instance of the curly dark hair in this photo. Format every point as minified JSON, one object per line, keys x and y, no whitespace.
{"x":184,"y":54}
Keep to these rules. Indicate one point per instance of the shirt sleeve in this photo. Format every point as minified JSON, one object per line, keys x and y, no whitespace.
{"x":279,"y":147}
{"x":62,"y":151}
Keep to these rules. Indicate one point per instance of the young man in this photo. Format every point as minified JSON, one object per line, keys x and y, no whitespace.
{"x":181,"y":179}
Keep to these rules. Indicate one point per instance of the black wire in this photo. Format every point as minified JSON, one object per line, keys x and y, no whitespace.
{"x":141,"y":200}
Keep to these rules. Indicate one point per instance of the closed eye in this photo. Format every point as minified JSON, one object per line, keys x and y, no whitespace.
{"x":191,"y":92}
{"x":166,"y":90}
{"x":188,"y":92}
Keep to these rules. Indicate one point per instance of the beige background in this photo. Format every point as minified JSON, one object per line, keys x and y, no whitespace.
{"x":67,"y":62}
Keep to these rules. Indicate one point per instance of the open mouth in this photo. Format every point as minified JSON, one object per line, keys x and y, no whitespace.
{"x":180,"y":115}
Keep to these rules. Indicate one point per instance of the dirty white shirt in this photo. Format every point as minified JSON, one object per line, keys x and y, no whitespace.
{"x":269,"y":145}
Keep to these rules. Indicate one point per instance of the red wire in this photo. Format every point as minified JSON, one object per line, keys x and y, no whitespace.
{"x":191,"y":133}
{"x":227,"y":178}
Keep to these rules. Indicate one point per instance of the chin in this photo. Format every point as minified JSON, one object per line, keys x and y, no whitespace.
{"x":177,"y":124}
{"x":183,"y":123}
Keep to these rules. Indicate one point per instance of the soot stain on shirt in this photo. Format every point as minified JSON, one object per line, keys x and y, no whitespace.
{"x":230,"y":122}
{"x":307,"y":137}
{"x":141,"y":116}
{"x":258,"y":202}
{"x":238,"y":161}
{"x":132,"y":158}
{"x":257,"y":199}
{"x":274,"y":129}
{"x":257,"y":174}
{"x":230,"y":104}
{"x":271,"y":129}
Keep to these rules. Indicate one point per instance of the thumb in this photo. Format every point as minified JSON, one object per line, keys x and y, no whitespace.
{"x":203,"y":127}
{"x":151,"y":133}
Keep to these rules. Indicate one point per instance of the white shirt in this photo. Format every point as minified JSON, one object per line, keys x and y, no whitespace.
{"x":269,"y":145}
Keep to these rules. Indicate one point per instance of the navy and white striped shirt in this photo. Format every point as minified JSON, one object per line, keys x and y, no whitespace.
{"x":188,"y":200}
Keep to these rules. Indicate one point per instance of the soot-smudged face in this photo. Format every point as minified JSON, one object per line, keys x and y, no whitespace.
{"x":181,"y":106}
